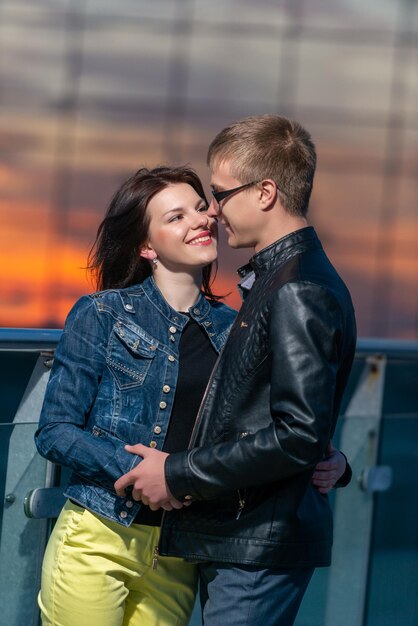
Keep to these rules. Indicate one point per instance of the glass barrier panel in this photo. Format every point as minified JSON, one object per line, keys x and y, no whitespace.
{"x":372,"y":580}
{"x":22,"y":540}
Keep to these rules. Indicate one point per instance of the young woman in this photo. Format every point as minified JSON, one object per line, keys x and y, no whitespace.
{"x":132,"y":366}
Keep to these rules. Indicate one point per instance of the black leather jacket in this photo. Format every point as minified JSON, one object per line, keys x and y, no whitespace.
{"x":269,"y":411}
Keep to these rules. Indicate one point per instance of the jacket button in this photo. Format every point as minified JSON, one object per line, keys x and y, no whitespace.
{"x":123,"y":514}
{"x":157,"y":430}
{"x":163,"y":405}
{"x":188,"y":497}
{"x":166,"y":388}
{"x":153,"y":347}
{"x":129,"y":504}
{"x":128,"y":307}
{"x":152,"y":444}
{"x":172,"y":329}
{"x":196,"y":311}
{"x":171,"y":358}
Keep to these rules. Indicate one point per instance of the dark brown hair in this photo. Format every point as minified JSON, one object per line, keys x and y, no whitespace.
{"x":114,"y":258}
{"x":269,"y":146}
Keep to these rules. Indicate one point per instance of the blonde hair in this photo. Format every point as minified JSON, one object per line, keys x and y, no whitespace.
{"x":269,"y":146}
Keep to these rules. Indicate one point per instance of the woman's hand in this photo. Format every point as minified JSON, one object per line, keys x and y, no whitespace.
{"x":330,"y":470}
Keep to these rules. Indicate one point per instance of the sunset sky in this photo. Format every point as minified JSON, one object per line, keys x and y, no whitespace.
{"x":90,"y":91}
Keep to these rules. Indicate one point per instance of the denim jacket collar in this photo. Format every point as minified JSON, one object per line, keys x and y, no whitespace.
{"x":199,"y":311}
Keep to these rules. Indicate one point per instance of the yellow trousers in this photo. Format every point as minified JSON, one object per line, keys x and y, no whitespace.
{"x":99,"y":572}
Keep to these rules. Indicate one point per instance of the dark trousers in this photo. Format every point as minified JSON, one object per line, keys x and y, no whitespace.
{"x":233,"y":595}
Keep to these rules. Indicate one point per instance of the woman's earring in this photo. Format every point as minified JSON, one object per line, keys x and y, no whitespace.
{"x":155,"y":261}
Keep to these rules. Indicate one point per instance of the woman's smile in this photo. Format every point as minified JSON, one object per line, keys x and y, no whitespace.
{"x":202,"y":239}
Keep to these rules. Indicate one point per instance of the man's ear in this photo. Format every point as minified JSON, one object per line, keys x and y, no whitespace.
{"x":268,"y":193}
{"x":147,"y":252}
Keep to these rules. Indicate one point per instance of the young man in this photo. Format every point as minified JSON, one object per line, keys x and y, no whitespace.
{"x":256,"y":523}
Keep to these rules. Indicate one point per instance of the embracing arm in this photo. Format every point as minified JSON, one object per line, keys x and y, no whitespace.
{"x":333,"y":471}
{"x":304,"y":330}
{"x":63,"y":436}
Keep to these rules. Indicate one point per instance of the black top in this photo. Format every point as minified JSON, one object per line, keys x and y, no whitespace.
{"x":197,"y":357}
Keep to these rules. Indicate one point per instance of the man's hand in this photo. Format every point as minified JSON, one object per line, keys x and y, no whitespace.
{"x":147,"y":480}
{"x":330,"y":470}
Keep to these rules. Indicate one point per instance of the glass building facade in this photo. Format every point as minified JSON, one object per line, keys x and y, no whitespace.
{"x":90,"y":90}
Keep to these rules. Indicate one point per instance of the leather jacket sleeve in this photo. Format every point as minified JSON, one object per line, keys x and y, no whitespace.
{"x":305,"y":335}
{"x":345,"y":479}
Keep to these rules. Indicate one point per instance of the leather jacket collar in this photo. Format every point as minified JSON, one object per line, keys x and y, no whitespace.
{"x":279,"y":251}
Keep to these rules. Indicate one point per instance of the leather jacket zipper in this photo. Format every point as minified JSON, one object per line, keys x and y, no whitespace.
{"x":200,"y":411}
{"x":241,"y":504}
{"x":241,"y":493}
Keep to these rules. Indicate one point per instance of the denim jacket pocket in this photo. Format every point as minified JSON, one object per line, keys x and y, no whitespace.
{"x":129,"y":356}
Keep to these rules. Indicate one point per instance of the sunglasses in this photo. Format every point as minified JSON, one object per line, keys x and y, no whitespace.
{"x":221,"y":195}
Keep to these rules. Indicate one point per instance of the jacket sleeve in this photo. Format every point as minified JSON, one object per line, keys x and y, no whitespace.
{"x":62,"y":436}
{"x":345,"y":479}
{"x":304,"y":334}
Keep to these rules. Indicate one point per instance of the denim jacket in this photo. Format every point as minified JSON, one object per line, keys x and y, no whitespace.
{"x":113,"y":382}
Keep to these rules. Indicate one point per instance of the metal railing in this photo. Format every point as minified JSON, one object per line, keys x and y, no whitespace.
{"x":378,"y":423}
